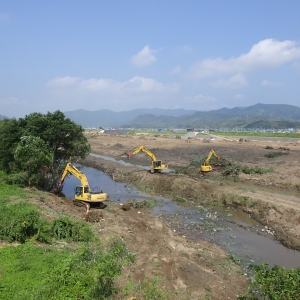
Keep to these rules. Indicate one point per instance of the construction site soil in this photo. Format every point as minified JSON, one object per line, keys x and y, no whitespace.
{"x":193,"y":269}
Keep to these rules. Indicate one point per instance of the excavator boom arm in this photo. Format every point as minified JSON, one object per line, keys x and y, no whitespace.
{"x":74,"y":171}
{"x":211,"y":153}
{"x":146,"y":151}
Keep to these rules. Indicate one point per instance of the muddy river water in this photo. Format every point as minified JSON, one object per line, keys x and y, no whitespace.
{"x":234,"y":231}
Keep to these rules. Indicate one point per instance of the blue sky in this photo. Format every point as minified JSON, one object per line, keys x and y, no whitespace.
{"x":122,"y":55}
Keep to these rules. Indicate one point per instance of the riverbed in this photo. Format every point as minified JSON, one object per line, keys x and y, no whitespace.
{"x":233,"y":230}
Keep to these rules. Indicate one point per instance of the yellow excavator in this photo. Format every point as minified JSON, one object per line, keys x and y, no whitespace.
{"x":83,"y":193}
{"x":156,"y":167}
{"x":206,"y":167}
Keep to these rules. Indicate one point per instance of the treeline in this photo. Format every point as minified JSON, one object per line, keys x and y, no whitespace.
{"x":34,"y":149}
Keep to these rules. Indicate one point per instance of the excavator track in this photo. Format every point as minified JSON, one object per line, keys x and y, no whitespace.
{"x":88,"y":206}
{"x":82,"y":204}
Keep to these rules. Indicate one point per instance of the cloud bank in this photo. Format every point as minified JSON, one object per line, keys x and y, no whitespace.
{"x":266,"y":54}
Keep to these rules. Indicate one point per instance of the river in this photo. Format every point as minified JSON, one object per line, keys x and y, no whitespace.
{"x":234,"y":231}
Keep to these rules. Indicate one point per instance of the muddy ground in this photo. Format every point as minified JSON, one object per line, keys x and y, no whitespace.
{"x":193,"y":269}
{"x":270,"y":198}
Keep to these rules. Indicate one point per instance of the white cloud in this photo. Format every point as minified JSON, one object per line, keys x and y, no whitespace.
{"x":135,"y":85}
{"x":270,"y":83}
{"x":233,"y":82}
{"x":94,"y":93}
{"x":99,"y":84}
{"x":265,"y":54}
{"x":141,"y":84}
{"x":63,"y":81}
{"x":144,"y":57}
{"x":239,"y":96}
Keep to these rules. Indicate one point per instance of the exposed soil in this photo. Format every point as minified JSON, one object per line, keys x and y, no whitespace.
{"x":270,"y":198}
{"x":194,"y":270}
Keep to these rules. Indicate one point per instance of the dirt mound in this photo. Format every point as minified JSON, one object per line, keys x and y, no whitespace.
{"x":117,"y":146}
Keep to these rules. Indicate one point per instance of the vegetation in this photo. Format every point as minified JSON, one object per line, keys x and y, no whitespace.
{"x":34,"y":149}
{"x":262,"y":134}
{"x":234,"y":169}
{"x":143,"y":203}
{"x":85,"y":271}
{"x":274,"y":283}
{"x":274,"y":154}
{"x":43,"y":270}
{"x":61,"y":258}
{"x":22,"y":221}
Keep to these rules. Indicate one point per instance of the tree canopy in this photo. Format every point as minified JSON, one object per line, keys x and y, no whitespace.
{"x":34,"y":149}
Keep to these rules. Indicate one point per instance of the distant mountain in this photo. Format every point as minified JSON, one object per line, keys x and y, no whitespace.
{"x":108,"y":118}
{"x":3,"y":117}
{"x":285,"y":111}
{"x":255,"y":116}
{"x":258,"y":115}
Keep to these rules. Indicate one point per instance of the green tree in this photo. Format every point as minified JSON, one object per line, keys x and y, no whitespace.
{"x":34,"y":149}
{"x":31,"y":157}
{"x":10,"y":133}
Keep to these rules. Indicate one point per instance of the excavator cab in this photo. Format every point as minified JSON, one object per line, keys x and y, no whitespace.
{"x":157,"y":164}
{"x":78,"y":190}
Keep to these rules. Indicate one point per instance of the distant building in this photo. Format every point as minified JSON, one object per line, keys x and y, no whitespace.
{"x":116,"y":131}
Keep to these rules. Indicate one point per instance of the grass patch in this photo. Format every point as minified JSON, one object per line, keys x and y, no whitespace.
{"x":262,"y":134}
{"x":274,"y":154}
{"x":86,"y":271}
{"x":143,"y":203}
{"x":256,"y":170}
{"x":148,"y":289}
{"x":235,"y":259}
{"x":273,"y":283}
{"x":65,"y":228}
{"x":179,"y":199}
{"x":234,"y":169}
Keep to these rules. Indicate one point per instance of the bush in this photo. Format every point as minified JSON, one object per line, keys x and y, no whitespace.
{"x":273,"y":154}
{"x":274,"y":283}
{"x":87,"y":272}
{"x":18,"y":222}
{"x":197,"y":161}
{"x":256,"y":170}
{"x":64,"y":228}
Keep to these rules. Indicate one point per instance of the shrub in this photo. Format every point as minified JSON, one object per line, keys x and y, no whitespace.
{"x":273,"y":154}
{"x":197,"y":161}
{"x":64,"y":228}
{"x":256,"y":170}
{"x":87,"y":272}
{"x":274,"y":283}
{"x":18,"y":222}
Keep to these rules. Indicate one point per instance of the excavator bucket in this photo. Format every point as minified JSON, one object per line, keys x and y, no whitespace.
{"x":129,"y":154}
